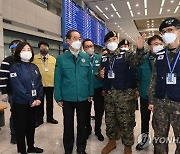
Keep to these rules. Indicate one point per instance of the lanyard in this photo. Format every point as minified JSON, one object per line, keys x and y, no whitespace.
{"x":92,"y":61}
{"x":172,"y":70}
{"x":112,"y":64}
{"x":31,"y":75}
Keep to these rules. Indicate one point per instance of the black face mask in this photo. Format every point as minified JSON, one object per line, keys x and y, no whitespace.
{"x":44,"y":52}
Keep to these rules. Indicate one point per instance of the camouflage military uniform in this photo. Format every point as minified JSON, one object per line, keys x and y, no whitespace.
{"x":120,"y":107}
{"x":165,"y":112}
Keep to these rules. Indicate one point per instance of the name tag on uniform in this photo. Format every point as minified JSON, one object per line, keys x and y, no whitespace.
{"x":97,"y":64}
{"x":171,"y":78}
{"x":46,"y":69}
{"x":34,"y":93}
{"x":111,"y":74}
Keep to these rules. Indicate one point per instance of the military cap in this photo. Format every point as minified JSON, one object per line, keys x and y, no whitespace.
{"x":109,"y":35}
{"x":169,"y":22}
{"x":123,"y":42}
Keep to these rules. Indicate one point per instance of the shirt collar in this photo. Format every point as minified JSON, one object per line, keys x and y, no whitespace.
{"x":74,"y":53}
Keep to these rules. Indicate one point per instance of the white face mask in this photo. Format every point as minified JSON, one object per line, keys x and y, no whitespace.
{"x":112,"y":46}
{"x":90,"y":51}
{"x":157,"y":48}
{"x":76,"y":45}
{"x":169,"y":38}
{"x":26,"y":55}
{"x":126,"y":49}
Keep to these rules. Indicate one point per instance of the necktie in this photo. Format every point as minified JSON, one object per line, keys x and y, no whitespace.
{"x":44,"y":58}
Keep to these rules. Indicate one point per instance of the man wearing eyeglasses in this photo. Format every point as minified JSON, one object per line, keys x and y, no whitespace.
{"x":164,"y":91}
{"x":88,"y":47}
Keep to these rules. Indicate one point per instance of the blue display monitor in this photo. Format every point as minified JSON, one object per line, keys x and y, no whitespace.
{"x":74,"y":17}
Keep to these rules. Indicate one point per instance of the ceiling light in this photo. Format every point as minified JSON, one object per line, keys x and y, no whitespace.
{"x":152,"y":20}
{"x":172,"y":1}
{"x":145,"y":4}
{"x":138,"y":13}
{"x":118,"y":26}
{"x":105,"y":16}
{"x":99,"y":9}
{"x":115,"y":23}
{"x":145,"y":12}
{"x":147,"y":20}
{"x":123,"y":31}
{"x":162,"y":3}
{"x":106,"y":8}
{"x":129,"y":6}
{"x":137,"y":5}
{"x":168,"y":10}
{"x":113,"y":7}
{"x":112,"y":15}
{"x":160,"y":11}
{"x":176,"y":9}
{"x":152,"y":26}
{"x":147,"y":24}
{"x":132,"y":14}
{"x":118,"y":14}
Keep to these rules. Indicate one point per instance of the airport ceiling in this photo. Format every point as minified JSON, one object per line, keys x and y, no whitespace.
{"x":131,"y":18}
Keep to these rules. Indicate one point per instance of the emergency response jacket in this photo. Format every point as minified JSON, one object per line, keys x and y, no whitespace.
{"x":26,"y":83}
{"x":5,"y":86}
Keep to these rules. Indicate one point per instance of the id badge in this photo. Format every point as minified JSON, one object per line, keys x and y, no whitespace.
{"x":171,"y":78}
{"x":111,"y":74}
{"x":46,"y":69}
{"x":34,"y":93}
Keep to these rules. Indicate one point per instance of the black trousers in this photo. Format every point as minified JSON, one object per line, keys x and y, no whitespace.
{"x":48,"y":92}
{"x":99,"y":111}
{"x":24,"y":125}
{"x":145,"y":115}
{"x":68,"y":136}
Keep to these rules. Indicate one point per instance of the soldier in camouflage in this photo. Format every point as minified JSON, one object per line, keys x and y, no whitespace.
{"x":118,"y":71}
{"x":164,"y":90}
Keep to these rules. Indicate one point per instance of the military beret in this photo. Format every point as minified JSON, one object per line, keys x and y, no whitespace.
{"x":109,"y":35}
{"x":123,"y":42}
{"x":169,"y":22}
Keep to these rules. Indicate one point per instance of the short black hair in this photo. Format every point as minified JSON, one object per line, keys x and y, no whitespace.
{"x":19,"y":48}
{"x":68,"y":35}
{"x":154,"y":38}
{"x":43,"y":43}
{"x":87,"y":39}
{"x":14,"y":42}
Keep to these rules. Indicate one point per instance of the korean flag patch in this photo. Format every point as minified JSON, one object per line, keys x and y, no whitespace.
{"x":104,"y":59}
{"x":160,"y":57}
{"x":12,"y":75}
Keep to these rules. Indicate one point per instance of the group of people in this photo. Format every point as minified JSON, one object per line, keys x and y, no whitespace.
{"x":112,"y":82}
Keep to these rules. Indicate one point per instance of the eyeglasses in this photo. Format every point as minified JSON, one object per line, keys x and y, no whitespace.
{"x":89,"y":46}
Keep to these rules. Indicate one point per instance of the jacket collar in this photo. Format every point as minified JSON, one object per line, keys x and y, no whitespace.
{"x":39,"y":56}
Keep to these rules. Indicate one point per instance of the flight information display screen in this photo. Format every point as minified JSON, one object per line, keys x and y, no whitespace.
{"x":74,"y":17}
